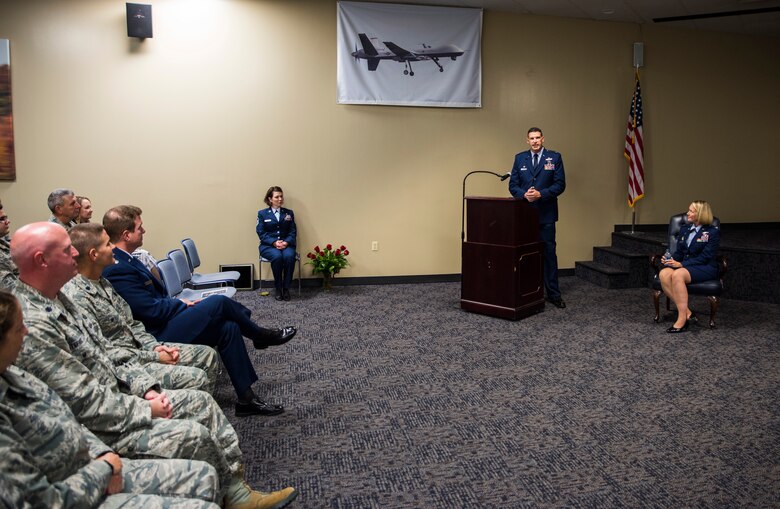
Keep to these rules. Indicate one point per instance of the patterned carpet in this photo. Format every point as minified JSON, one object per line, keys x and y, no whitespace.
{"x":397,"y":398}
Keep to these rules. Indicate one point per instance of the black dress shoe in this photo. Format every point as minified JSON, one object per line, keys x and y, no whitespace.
{"x":257,"y":407}
{"x":676,"y":330}
{"x":279,"y":295}
{"x":286,"y":294}
{"x":275,"y":338}
{"x":557,"y":303}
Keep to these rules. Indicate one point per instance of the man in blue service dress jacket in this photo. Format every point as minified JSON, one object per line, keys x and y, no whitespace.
{"x":216,"y":321}
{"x":538,"y":178}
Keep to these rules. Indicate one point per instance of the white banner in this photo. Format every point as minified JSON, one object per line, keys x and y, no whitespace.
{"x":409,"y":55}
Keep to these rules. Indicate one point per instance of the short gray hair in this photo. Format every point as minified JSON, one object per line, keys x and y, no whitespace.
{"x":56,"y":197}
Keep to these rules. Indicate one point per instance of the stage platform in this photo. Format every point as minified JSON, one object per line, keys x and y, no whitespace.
{"x":752,"y":251}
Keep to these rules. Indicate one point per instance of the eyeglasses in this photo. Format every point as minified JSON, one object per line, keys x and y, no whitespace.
{"x":3,"y":219}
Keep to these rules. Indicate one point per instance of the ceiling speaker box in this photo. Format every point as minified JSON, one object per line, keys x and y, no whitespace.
{"x":139,"y":21}
{"x":639,"y":54}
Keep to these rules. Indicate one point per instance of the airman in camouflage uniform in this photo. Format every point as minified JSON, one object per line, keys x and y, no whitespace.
{"x":174,"y":365}
{"x":47,"y":459}
{"x":63,"y":349}
{"x":129,"y":340}
{"x":8,"y":271}
{"x":64,"y":207}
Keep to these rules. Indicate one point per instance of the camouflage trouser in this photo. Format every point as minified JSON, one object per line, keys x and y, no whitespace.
{"x":200,"y":356}
{"x":179,"y":377}
{"x":199,"y":430}
{"x":170,"y":483}
{"x":196,"y":369}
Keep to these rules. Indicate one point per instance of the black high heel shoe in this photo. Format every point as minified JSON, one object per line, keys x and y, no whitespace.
{"x":693,"y":318}
{"x":676,"y":330}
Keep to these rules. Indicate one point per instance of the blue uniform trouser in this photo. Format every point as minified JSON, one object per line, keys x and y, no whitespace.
{"x":282,"y":264}
{"x":547,"y":235}
{"x":227,"y":322}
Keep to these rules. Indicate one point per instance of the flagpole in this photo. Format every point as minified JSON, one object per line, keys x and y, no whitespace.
{"x":634,"y":105}
{"x":633,"y":207}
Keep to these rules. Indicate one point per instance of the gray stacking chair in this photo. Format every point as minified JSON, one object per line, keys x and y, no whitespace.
{"x":193,"y":260}
{"x":183,"y":269}
{"x":173,"y":284}
{"x":266,"y":260}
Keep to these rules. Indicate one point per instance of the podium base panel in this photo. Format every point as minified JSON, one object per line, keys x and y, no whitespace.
{"x":517,"y":313}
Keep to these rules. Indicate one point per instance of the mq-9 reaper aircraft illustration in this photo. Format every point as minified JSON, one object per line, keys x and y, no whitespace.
{"x":398,"y":54}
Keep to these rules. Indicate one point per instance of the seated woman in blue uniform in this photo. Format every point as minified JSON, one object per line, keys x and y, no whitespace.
{"x":693,"y":261}
{"x":276,"y":229}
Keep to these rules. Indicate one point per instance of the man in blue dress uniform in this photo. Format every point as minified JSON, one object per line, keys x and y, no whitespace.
{"x":538,"y":178}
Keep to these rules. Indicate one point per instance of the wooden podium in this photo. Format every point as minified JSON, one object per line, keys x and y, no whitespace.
{"x":502,"y":259}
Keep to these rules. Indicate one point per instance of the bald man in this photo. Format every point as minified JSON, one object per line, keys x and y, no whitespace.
{"x":66,"y":350}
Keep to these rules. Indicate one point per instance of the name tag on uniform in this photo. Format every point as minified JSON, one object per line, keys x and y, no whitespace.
{"x":523,"y":169}
{"x":266,"y":220}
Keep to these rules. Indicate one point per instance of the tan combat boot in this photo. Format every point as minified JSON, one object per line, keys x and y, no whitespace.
{"x":244,"y":497}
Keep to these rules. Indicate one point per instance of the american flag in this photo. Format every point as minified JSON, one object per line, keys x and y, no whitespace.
{"x":634,"y":150}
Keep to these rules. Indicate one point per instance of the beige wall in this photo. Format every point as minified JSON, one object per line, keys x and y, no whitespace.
{"x":232,"y":96}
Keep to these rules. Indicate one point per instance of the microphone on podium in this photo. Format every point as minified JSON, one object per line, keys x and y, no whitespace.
{"x":463,"y":198}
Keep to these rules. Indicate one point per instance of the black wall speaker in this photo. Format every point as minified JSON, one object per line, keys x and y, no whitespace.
{"x":139,"y":21}
{"x":246,"y":280}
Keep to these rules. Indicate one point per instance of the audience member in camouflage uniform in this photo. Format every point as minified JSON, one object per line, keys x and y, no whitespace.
{"x":63,"y":350}
{"x":64,"y":208}
{"x":8,"y":271}
{"x":48,"y":459}
{"x":176,"y":366}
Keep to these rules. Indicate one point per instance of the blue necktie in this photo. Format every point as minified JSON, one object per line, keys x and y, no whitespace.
{"x":536,"y":160}
{"x":691,"y":235}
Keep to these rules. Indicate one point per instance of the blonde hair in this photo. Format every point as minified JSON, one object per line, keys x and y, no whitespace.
{"x":703,"y":212}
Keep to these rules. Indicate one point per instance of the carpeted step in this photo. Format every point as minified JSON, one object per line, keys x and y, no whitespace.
{"x":620,"y":258}
{"x":640,"y":242}
{"x":604,"y":275}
